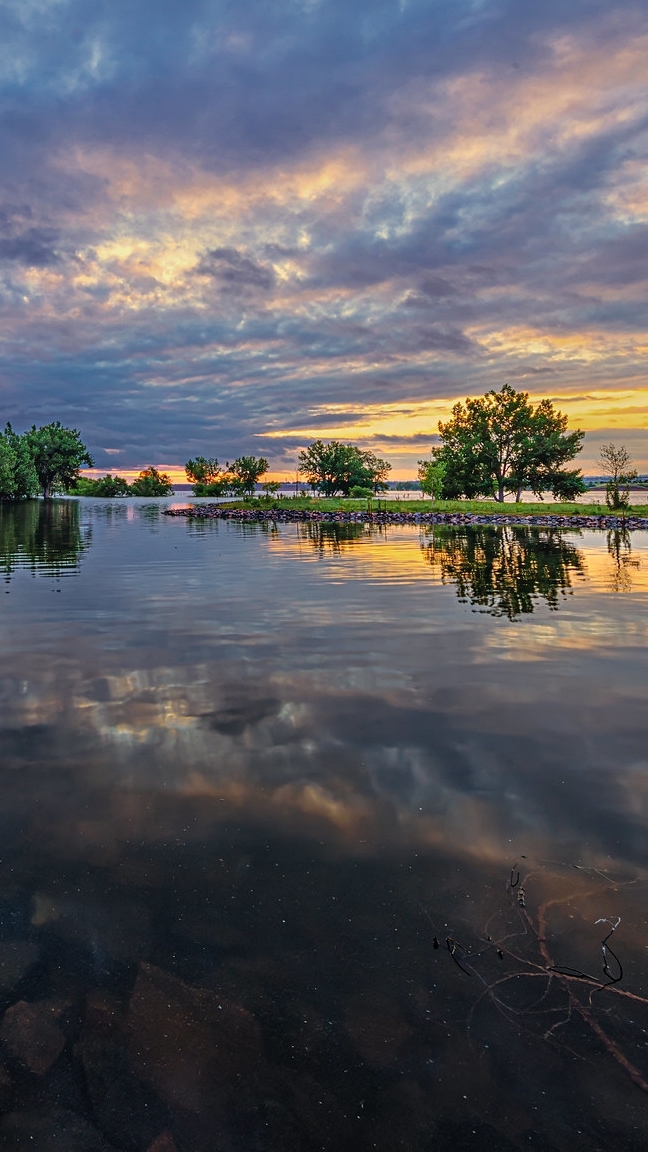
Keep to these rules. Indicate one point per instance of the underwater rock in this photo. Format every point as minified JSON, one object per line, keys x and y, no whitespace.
{"x":31,"y":1032}
{"x":17,"y":958}
{"x":126,"y":1110}
{"x":50,"y":1130}
{"x":192,"y":1045}
{"x":163,"y":1143}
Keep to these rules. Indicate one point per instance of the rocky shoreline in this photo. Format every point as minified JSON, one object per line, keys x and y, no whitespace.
{"x":312,"y":516}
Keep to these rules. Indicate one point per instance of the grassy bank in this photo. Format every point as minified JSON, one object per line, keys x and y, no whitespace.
{"x":481,"y":507}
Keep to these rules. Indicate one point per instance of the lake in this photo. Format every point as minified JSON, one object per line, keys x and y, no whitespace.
{"x":321,"y":837}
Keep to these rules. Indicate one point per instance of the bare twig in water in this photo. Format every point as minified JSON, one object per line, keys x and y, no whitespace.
{"x":561,"y":978}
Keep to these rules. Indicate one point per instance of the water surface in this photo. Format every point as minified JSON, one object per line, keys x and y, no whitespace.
{"x":253,"y":776}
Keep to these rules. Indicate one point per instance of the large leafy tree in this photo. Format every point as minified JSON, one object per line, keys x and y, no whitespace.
{"x":150,"y":482}
{"x":335,"y":468}
{"x":244,"y":473}
{"x":18,"y":477}
{"x":207,"y":477}
{"x":57,"y":453}
{"x":500,"y":443}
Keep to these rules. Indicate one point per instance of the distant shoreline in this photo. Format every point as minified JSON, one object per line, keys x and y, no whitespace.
{"x":313,"y":516}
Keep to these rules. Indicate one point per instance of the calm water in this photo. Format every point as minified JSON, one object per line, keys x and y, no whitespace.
{"x":252,"y":778}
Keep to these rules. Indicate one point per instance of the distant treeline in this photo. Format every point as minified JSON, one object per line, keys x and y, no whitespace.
{"x":150,"y":482}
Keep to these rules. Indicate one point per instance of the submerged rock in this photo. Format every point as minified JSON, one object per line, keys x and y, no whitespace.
{"x":50,"y":1130}
{"x":193,"y":1046}
{"x":17,"y":958}
{"x":163,"y":1143}
{"x":126,"y":1110}
{"x":32,"y":1033}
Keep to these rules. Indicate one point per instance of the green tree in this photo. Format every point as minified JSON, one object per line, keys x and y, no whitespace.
{"x":336,"y":468}
{"x":18,"y":478}
{"x":271,"y":487}
{"x":500,"y":443}
{"x":150,"y":482}
{"x":616,"y":462}
{"x":57,"y":453}
{"x":245,"y":472}
{"x":207,"y":477}
{"x":431,"y":474}
{"x":106,"y":486}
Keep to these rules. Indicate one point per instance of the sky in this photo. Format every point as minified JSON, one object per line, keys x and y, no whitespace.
{"x":234,"y":226}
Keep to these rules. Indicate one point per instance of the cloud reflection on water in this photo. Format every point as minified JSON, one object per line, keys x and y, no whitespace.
{"x":343,"y":695}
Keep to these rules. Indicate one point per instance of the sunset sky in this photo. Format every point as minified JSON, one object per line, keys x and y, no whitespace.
{"x":232,"y":226}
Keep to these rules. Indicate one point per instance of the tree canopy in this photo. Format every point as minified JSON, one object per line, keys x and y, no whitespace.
{"x":45,"y":459}
{"x":150,"y":482}
{"x":238,"y":478}
{"x":335,"y":468}
{"x":501,"y":443}
{"x":107,"y":486}
{"x":244,"y":473}
{"x":57,"y":453}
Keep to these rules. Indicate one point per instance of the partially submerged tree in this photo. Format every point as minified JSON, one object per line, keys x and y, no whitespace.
{"x":500,"y":443}
{"x":107,"y":486}
{"x":616,"y":462}
{"x":207,"y":477}
{"x":150,"y":482}
{"x":245,"y":472}
{"x":335,"y":468}
{"x":18,"y":477}
{"x":57,"y":453}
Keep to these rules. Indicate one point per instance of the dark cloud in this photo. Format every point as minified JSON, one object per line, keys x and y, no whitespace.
{"x":235,"y":271}
{"x":33,"y":247}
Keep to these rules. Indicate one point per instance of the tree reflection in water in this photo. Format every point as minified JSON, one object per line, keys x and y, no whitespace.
{"x":44,"y":536}
{"x":619,"y":547}
{"x":338,"y":538}
{"x":504,"y":570}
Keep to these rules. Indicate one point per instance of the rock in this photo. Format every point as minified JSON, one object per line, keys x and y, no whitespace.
{"x":126,"y":1110}
{"x":17,"y":958}
{"x":31,"y":1032}
{"x":103,"y":1011}
{"x":193,"y":1046}
{"x":164,"y":1143}
{"x":50,"y":1130}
